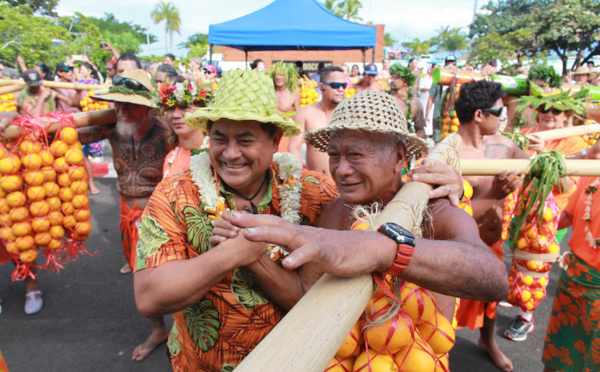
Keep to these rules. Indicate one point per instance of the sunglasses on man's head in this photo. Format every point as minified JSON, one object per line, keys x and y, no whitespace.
{"x":336,"y":85}
{"x":555,"y":111}
{"x":128,"y":83}
{"x":496,"y":112}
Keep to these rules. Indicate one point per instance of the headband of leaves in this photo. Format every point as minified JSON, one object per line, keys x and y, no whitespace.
{"x":125,"y":90}
{"x":547,"y":74}
{"x":288,"y":71}
{"x":404,"y":72}
{"x":185,"y":94}
{"x":559,"y":99}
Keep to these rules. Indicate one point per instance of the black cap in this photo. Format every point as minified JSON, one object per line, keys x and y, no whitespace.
{"x":371,"y":69}
{"x":32,"y":78}
{"x":63,"y":66}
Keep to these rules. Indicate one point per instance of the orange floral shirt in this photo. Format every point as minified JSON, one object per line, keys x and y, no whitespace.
{"x":225,"y":325}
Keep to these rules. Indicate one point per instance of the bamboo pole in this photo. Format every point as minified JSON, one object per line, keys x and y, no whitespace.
{"x":493,"y":167}
{"x":82,"y":119}
{"x":55,"y":84}
{"x":580,"y":130}
{"x":308,"y":337}
{"x":11,"y":89}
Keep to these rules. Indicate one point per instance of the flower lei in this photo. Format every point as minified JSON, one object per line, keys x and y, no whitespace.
{"x":590,"y":190}
{"x":289,"y":190}
{"x":186,"y":93}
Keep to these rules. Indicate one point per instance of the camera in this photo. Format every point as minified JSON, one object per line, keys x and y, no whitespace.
{"x":103,"y":45}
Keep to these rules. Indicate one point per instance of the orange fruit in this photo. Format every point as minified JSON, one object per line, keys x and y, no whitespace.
{"x":21,"y":228}
{"x":35,"y":193}
{"x":49,"y":174}
{"x":39,"y":208}
{"x":77,"y":174}
{"x":11,"y":247}
{"x":351,"y":345}
{"x":375,"y":362}
{"x":32,"y":161}
{"x":60,"y":164}
{"x":80,"y":201}
{"x":69,"y":221}
{"x":11,"y":183}
{"x":80,"y":237}
{"x":79,"y":187}
{"x":69,"y":135}
{"x":25,"y":242}
{"x":30,"y":147}
{"x":66,"y":194}
{"x":74,"y":157}
{"x":340,"y":365}
{"x":51,"y":189}
{"x":6,"y":233}
{"x":378,"y":305}
{"x":416,"y":357}
{"x":82,"y":228}
{"x":40,"y":225}
{"x":18,"y":214}
{"x":16,"y":199}
{"x":10,"y":165}
{"x":58,"y":148}
{"x":42,"y":239}
{"x":82,"y":215}
{"x":4,"y":207}
{"x":54,"y":203}
{"x":57,"y":232}
{"x":5,"y":220}
{"x":3,"y":193}
{"x":543,"y":282}
{"x":28,"y":256}
{"x":64,"y":180}
{"x":35,"y":178}
{"x":400,"y":336}
{"x":55,"y":218}
{"x":541,"y":243}
{"x":438,"y":333}
{"x":539,"y":294}
{"x":47,"y":158}
{"x":67,"y":208}
{"x":417,"y":302}
{"x":548,"y":215}
{"x":525,"y":294}
{"x":54,"y":244}
{"x":77,"y":146}
{"x":468,"y":189}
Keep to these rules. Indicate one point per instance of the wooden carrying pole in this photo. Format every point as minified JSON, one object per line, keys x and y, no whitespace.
{"x":82,"y":119}
{"x":11,"y":89}
{"x":308,"y":337}
{"x":493,"y":167}
{"x":580,"y":130}
{"x":55,"y":84}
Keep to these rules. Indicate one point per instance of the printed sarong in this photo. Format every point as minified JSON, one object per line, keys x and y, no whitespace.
{"x":130,"y":220}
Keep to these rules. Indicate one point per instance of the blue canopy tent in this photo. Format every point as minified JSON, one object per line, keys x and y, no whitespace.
{"x":291,"y":25}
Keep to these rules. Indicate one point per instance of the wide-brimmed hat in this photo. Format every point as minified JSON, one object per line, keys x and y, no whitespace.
{"x":369,"y":111}
{"x":133,"y":86}
{"x":245,"y":95}
{"x":582,"y":70}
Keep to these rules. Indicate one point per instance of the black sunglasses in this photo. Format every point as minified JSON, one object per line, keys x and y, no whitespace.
{"x":555,"y":111}
{"x":337,"y":86}
{"x":67,"y":69}
{"x":128,"y":83}
{"x":496,"y":112}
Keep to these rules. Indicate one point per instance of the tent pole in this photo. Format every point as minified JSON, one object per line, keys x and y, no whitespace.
{"x":373,"y":55}
{"x":210,"y":53}
{"x":246,"y":52}
{"x":364,"y":53}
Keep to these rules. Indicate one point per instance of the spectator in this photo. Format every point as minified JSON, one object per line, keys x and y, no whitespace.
{"x":210,"y":74}
{"x":355,"y":71}
{"x":166,"y":73}
{"x":127,"y":61}
{"x":316,"y":76}
{"x":369,"y":81}
{"x":300,"y":67}
{"x":169,"y":59}
{"x":66,"y":75}
{"x":257,"y":64}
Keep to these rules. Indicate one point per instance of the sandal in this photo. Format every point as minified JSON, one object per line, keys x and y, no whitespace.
{"x":125,"y":269}
{"x":32,"y":304}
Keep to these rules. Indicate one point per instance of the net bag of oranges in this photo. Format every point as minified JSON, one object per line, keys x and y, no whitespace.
{"x":533,"y":232}
{"x":401,"y":329}
{"x":44,"y":205}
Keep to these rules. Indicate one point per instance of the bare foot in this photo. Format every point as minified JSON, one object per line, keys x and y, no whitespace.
{"x":157,"y":337}
{"x":125,"y":269}
{"x":497,"y":355}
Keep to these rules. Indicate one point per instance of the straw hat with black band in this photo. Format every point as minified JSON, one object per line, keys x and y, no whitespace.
{"x":368,"y":111}
{"x":245,"y":95}
{"x":133,"y":86}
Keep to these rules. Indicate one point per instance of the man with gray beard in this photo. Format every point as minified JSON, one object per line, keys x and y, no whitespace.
{"x":139,"y":147}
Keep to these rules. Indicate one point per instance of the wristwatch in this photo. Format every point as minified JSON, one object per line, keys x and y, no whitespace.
{"x":406,"y":246}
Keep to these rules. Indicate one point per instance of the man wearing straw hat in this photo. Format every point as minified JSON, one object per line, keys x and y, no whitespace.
{"x":226,"y":292}
{"x":139,"y":148}
{"x":583,"y":75}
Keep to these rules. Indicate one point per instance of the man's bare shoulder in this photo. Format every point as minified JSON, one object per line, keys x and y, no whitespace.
{"x":312,"y":116}
{"x":500,"y":147}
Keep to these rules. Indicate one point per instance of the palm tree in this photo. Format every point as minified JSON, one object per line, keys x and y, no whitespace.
{"x":333,"y":6}
{"x":349,"y":10}
{"x":170,"y":14}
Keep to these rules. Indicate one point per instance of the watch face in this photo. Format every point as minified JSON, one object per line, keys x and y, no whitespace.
{"x":398,"y":233}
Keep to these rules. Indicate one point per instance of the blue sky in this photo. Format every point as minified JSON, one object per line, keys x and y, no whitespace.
{"x":404,"y":20}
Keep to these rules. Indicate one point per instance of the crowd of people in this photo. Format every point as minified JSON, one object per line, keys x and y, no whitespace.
{"x":219,"y":203}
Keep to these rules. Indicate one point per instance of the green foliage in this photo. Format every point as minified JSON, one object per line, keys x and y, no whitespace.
{"x":197,"y":44}
{"x":404,"y":72}
{"x":496,"y":46}
{"x":388,"y":40}
{"x":289,"y":71}
{"x":417,"y":47}
{"x":349,"y":10}
{"x":333,"y":6}
{"x":450,"y":39}
{"x":43,"y":7}
{"x":169,"y":13}
{"x":547,"y":74}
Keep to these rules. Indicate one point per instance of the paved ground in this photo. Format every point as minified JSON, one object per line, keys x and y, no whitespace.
{"x":89,"y":321}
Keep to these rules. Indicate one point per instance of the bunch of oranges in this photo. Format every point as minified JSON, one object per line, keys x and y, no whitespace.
{"x":412,"y":335}
{"x":43,"y":196}
{"x":7,"y":102}
{"x":450,"y":123}
{"x":89,"y":104}
{"x":308,"y":94}
{"x":350,"y":92}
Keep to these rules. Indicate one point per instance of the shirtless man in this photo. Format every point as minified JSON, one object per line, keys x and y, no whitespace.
{"x":285,"y":80}
{"x":480,"y":110}
{"x":370,"y":80}
{"x":139,"y":146}
{"x":401,"y":81}
{"x":333,"y":90}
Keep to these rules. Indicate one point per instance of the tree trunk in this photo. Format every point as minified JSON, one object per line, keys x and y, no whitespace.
{"x":171,"y":38}
{"x":166,"y":42}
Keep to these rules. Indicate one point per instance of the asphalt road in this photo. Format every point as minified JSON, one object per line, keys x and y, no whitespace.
{"x":90,"y":323}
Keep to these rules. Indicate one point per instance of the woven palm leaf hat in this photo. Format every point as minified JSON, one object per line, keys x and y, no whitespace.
{"x":244,"y":95}
{"x":133,"y":86}
{"x":369,"y":111}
